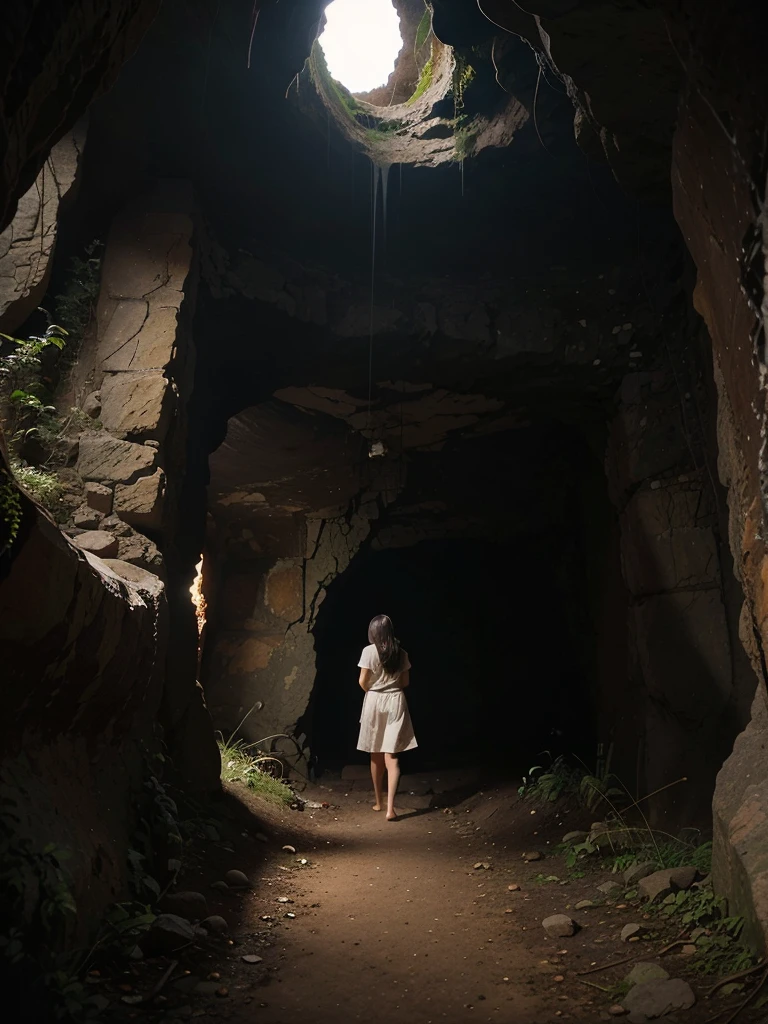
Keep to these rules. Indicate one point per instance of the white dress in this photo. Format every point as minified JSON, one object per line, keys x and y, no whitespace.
{"x":385,"y":723}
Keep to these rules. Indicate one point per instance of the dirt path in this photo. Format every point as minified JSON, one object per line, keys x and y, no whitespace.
{"x":395,"y":924}
{"x":408,"y":921}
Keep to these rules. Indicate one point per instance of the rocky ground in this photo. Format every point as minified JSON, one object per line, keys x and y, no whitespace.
{"x":439,"y":916}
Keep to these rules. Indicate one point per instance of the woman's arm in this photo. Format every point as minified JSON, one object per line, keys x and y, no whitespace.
{"x":404,"y":679}
{"x":366,"y":679}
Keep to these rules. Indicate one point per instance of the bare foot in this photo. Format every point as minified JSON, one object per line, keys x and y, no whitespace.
{"x":377,"y":807}
{"x":392,"y":816}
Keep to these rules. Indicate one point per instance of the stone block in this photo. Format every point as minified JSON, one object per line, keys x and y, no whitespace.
{"x":136,"y":405}
{"x":136,"y":334}
{"x":141,"y":504}
{"x":98,"y":497}
{"x":106,"y":459}
{"x":98,"y":542}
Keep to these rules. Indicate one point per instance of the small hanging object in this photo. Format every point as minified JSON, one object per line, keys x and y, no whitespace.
{"x":377,"y":450}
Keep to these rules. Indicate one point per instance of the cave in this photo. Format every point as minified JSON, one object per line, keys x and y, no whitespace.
{"x":480,"y":346}
{"x":481,"y":697}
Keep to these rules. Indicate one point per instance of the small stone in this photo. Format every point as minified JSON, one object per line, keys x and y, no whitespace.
{"x":689,"y":949}
{"x":616,"y":1010}
{"x":86,"y":518}
{"x":92,"y":405}
{"x":559,"y":926}
{"x":237,"y":880}
{"x":575,"y":837}
{"x":289,"y":849}
{"x":610,"y":888}
{"x":251,"y":958}
{"x":584,"y":904}
{"x":192,"y":906}
{"x":639,"y":871}
{"x":207,"y":988}
{"x":482,"y":864}
{"x":216,"y":924}
{"x":644,"y":972}
{"x":219,"y":885}
{"x":97,"y":542}
{"x":222,"y":992}
{"x":533,"y":855}
{"x":635,"y":355}
{"x":632,"y":931}
{"x":261,"y":838}
{"x":284,"y":899}
{"x":654,"y":999}
{"x":514,"y":887}
{"x":662,"y":883}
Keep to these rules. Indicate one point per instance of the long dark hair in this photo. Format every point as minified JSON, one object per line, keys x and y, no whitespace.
{"x":381,"y":632}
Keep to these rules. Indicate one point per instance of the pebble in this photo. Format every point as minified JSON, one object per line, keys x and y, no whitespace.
{"x":583,"y":904}
{"x":616,"y":1010}
{"x":482,"y":864}
{"x":514,"y":887}
{"x":533,"y":855}
{"x":190,"y":905}
{"x":632,"y":931}
{"x":251,"y":958}
{"x":289,"y":849}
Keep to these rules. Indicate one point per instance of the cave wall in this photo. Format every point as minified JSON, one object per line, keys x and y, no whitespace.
{"x":28,"y":242}
{"x":698,"y":83}
{"x":134,"y":374}
{"x":690,"y":684}
{"x":84,"y":644}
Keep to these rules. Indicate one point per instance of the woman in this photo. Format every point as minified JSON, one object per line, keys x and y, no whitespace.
{"x":385,"y":724}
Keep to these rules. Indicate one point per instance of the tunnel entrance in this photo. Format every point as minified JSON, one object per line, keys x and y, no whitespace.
{"x":498,"y":670}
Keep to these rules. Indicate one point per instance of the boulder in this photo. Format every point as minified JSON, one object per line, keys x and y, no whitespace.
{"x":662,"y":883}
{"x":98,"y":542}
{"x":559,"y":926}
{"x":98,"y":497}
{"x":141,"y":504}
{"x":652,"y":999}
{"x":108,"y":460}
{"x":136,"y":405}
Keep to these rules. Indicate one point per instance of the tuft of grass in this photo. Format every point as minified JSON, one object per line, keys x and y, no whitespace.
{"x":238,"y":764}
{"x":425,"y":80}
{"x":40,"y":484}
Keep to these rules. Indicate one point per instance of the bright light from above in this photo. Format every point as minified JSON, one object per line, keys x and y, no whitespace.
{"x":361,"y":42}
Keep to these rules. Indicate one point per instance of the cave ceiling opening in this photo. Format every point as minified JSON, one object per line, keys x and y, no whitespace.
{"x":361,"y":42}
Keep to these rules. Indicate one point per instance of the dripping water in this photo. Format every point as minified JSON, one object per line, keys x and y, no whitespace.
{"x":384,"y":171}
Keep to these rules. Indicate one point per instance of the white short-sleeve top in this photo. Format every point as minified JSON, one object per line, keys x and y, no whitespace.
{"x":382,"y":680}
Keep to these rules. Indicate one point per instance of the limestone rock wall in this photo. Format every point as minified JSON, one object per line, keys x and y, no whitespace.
{"x":690,"y":682}
{"x":27,"y":244}
{"x":707,"y":65}
{"x":135,"y":370}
